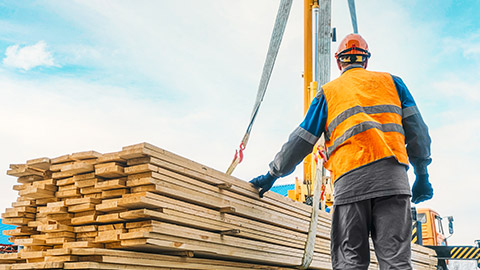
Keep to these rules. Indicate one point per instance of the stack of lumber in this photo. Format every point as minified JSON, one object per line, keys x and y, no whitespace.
{"x":113,"y":211}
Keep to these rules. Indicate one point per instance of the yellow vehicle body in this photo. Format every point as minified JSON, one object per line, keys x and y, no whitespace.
{"x":432,"y":228}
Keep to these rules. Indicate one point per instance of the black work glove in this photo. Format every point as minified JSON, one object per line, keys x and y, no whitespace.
{"x":264,"y":183}
{"x":422,"y":189}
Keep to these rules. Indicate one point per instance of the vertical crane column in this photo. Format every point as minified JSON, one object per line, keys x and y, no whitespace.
{"x":321,"y":60}
{"x":308,"y":165}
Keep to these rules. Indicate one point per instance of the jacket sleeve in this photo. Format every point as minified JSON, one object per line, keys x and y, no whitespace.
{"x":302,"y":140}
{"x":417,"y":138}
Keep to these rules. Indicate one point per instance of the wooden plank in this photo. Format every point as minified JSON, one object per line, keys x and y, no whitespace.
{"x":58,"y":240}
{"x":109,"y":218}
{"x":172,"y":183}
{"x":109,"y":236}
{"x":67,"y":187}
{"x":111,"y":157}
{"x":16,"y":221}
{"x":61,"y":258}
{"x":39,"y":265}
{"x":45,"y":183}
{"x":83,"y":183}
{"x":175,"y":243}
{"x":84,"y":220}
{"x":66,"y":181}
{"x":109,"y":170}
{"x":31,"y":254}
{"x":60,"y":234}
{"x":218,"y":201}
{"x":109,"y":205}
{"x":29,"y":242}
{"x":60,"y":217}
{"x":142,"y":168}
{"x":54,"y":228}
{"x":77,"y":201}
{"x":29,"y":178}
{"x":90,"y":190}
{"x":114,"y":193}
{"x":203,"y":217}
{"x":36,"y":193}
{"x":58,"y":251}
{"x":26,"y":209}
{"x":52,"y":210}
{"x":83,"y":176}
{"x":19,"y":231}
{"x":93,"y":195}
{"x":68,"y":193}
{"x":161,"y":228}
{"x":20,"y":170}
{"x":24,"y":203}
{"x":61,"y":175}
{"x":178,"y":262}
{"x":81,"y":207}
{"x":16,"y":214}
{"x":190,"y":168}
{"x":146,"y":188}
{"x":111,"y":184}
{"x":45,"y":201}
{"x":86,"y":213}
{"x":85,"y":228}
{"x":77,"y":168}
{"x":82,"y":244}
{"x":39,"y":163}
{"x":85,"y":155}
{"x":58,"y":166}
{"x":61,"y":159}
{"x":54,"y":204}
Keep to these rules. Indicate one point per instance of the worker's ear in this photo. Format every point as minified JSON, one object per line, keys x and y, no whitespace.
{"x":339,"y":66}
{"x":365,"y":64}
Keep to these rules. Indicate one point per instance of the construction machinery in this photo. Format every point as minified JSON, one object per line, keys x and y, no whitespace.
{"x":428,"y":231}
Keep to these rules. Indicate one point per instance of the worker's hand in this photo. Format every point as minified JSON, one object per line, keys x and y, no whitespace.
{"x":422,"y":189}
{"x":264,"y":183}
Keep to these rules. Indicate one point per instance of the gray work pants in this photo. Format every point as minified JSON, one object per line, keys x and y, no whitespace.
{"x":386,"y":219}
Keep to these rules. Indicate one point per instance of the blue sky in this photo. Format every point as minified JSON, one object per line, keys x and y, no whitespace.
{"x":183,"y":75}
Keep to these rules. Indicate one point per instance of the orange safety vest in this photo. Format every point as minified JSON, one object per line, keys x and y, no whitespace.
{"x":364,"y":122}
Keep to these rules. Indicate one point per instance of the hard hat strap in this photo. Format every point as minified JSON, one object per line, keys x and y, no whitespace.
{"x":367,"y":53}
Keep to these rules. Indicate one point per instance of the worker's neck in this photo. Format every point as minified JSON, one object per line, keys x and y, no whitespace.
{"x":351,"y":67}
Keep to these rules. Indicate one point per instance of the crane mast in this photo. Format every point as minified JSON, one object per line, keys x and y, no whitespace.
{"x":317,"y":53}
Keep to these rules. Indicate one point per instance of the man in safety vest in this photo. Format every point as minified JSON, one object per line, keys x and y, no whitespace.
{"x":372,"y":130}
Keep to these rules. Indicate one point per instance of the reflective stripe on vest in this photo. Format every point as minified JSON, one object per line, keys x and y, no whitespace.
{"x":364,"y":122}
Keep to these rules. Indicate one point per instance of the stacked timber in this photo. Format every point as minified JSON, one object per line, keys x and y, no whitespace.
{"x":144,"y":207}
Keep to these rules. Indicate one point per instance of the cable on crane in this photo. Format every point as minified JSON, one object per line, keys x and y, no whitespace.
{"x":353,"y":15}
{"x":275,"y":41}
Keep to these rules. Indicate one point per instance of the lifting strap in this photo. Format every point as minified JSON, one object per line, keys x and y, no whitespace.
{"x":275,"y":40}
{"x":353,"y":15}
{"x":312,"y":230}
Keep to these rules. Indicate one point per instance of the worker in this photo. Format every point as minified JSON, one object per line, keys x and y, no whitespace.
{"x":372,"y":129}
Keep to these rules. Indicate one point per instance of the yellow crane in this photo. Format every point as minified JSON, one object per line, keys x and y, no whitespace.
{"x":317,"y":16}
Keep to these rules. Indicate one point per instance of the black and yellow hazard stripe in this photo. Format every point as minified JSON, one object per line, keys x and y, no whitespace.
{"x":465,"y":253}
{"x":416,"y":234}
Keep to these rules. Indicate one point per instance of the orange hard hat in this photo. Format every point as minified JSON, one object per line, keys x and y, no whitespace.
{"x":355,"y":45}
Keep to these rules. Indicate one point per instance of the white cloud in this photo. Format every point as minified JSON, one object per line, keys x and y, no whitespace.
{"x":460,"y":88}
{"x":468,"y":46}
{"x":28,"y":57}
